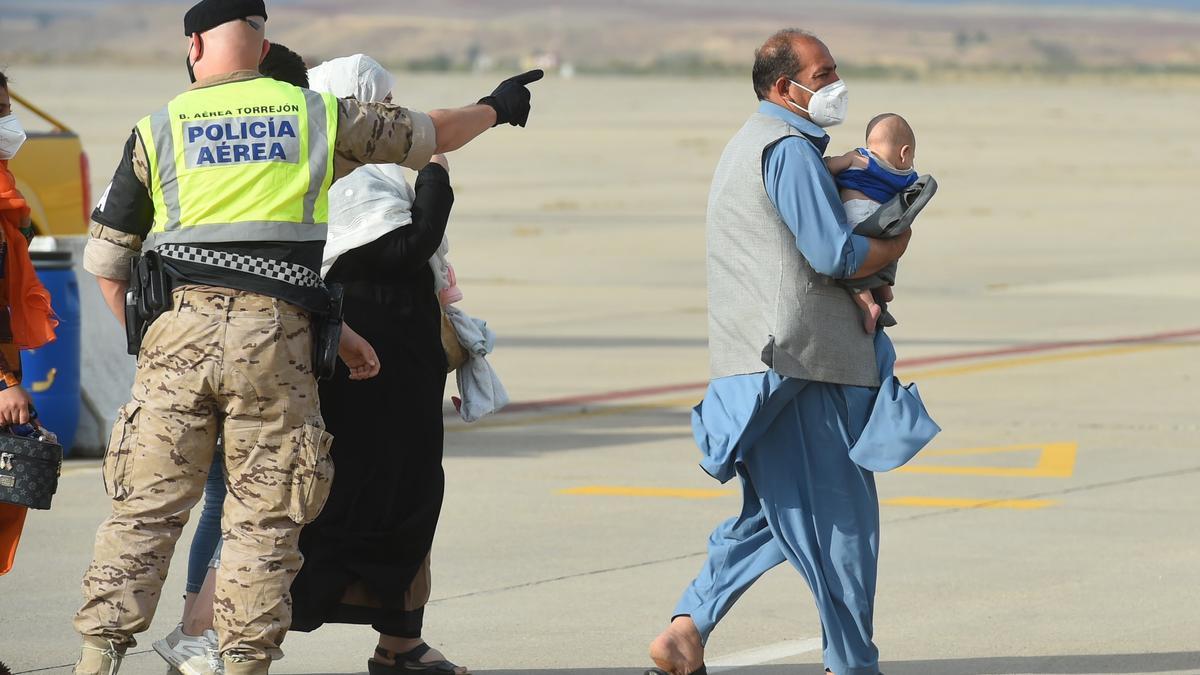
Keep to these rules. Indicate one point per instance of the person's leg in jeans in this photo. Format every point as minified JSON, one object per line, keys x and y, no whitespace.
{"x":204,"y":544}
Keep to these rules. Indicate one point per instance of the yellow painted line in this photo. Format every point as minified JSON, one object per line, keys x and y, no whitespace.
{"x":1057,"y":460}
{"x":948,"y":503}
{"x":619,"y":491}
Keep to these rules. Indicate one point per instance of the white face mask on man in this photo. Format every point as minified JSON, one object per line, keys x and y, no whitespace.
{"x":828,"y":105}
{"x":12,"y":136}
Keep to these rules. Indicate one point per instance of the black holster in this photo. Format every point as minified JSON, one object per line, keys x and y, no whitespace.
{"x":149,"y":295}
{"x":327,"y":334}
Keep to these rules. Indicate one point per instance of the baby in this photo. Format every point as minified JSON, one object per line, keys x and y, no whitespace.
{"x":866,"y":179}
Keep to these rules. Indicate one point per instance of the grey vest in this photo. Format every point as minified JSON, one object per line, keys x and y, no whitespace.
{"x":767,"y":307}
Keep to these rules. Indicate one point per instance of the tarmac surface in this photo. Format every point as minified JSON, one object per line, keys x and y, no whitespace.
{"x":1053,"y":527}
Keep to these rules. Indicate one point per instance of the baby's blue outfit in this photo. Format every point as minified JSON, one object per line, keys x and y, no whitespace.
{"x":877,"y":181}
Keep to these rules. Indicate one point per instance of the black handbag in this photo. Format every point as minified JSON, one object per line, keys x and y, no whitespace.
{"x":29,"y":466}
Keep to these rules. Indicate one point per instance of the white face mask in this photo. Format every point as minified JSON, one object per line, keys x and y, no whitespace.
{"x":12,"y":136}
{"x":828,"y":105}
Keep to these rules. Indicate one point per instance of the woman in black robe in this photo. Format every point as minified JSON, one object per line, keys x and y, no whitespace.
{"x":366,"y":557}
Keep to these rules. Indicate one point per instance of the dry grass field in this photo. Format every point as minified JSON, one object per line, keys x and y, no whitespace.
{"x":914,"y":36}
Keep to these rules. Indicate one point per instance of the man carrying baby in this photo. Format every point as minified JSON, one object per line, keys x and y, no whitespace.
{"x":794,"y":378}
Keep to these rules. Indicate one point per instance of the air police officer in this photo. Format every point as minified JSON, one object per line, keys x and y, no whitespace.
{"x":225,"y":187}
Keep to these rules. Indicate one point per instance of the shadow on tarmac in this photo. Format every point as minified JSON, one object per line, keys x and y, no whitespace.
{"x":596,"y":430}
{"x":1079,"y":664}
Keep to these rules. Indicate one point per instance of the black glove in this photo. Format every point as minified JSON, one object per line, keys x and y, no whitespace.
{"x":510,"y":99}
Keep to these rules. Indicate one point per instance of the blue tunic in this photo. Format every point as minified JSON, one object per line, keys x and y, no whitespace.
{"x":805,"y":451}
{"x":891,"y":423}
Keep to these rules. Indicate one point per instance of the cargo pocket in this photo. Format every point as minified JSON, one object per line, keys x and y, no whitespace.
{"x":312,"y":472}
{"x":118,"y":457}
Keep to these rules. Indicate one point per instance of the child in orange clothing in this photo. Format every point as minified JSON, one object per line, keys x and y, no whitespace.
{"x":26,"y":320}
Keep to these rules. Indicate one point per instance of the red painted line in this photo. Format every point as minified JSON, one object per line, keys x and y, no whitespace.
{"x":1046,"y":347}
{"x":603,"y":397}
{"x":606,"y":396}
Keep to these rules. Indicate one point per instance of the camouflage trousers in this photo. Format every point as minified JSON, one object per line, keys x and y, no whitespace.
{"x":220,"y":361}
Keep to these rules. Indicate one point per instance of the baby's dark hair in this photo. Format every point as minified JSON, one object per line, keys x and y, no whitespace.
{"x":284,"y":65}
{"x":3,"y":668}
{"x":3,"y":85}
{"x":892,"y":128}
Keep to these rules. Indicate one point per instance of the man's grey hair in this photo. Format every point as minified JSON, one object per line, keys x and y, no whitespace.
{"x":777,"y":58}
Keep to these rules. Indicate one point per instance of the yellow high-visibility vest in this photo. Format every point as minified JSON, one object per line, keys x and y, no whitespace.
{"x":241,"y":162}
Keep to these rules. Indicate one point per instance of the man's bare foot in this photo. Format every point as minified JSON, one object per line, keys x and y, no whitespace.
{"x":678,"y":650}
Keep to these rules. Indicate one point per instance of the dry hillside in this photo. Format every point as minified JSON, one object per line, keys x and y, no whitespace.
{"x":630,"y":35}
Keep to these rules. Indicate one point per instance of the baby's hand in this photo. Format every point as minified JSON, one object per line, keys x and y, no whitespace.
{"x":838,"y":164}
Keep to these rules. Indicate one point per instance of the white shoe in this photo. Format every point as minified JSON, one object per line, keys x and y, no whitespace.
{"x":191,"y":654}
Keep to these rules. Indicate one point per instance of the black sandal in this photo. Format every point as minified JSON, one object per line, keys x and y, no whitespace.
{"x":409,"y":662}
{"x":655,"y":671}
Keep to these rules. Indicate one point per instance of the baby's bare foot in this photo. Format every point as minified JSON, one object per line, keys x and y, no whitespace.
{"x":871,"y":318}
{"x":678,"y":650}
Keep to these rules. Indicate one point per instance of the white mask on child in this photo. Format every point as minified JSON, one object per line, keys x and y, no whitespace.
{"x":12,"y":136}
{"x":828,"y":105}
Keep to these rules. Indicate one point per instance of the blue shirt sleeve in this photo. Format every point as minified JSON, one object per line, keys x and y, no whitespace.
{"x":805,"y":195}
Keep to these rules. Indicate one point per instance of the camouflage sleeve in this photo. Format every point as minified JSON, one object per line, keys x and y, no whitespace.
{"x":108,"y":251}
{"x":122,"y":218}
{"x":141,"y":165}
{"x":379,"y":133}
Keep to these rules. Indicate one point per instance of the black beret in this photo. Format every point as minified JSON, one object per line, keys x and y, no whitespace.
{"x":208,"y":14}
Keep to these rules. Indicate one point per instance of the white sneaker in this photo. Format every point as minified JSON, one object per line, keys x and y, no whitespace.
{"x":191,"y":654}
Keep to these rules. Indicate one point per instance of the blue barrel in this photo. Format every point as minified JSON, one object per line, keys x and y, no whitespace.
{"x":51,"y":374}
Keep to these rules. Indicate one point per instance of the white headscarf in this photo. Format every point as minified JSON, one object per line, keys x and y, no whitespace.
{"x":358,"y":76}
{"x":374,"y":199}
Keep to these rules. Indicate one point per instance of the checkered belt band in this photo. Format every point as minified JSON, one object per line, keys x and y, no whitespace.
{"x":288,"y":273}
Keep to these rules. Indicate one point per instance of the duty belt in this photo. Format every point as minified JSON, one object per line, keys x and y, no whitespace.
{"x":288,"y":273}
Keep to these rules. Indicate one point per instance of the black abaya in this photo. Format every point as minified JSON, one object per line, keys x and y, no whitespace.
{"x":378,"y":524}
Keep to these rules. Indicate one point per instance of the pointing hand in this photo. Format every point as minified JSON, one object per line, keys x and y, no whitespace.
{"x":511,"y":98}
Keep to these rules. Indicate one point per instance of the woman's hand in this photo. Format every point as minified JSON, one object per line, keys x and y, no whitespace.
{"x":441,"y":161}
{"x":358,"y":355}
{"x":14,"y":406}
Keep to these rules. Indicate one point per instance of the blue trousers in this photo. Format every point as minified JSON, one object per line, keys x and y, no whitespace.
{"x":806,"y":502}
{"x":208,"y":528}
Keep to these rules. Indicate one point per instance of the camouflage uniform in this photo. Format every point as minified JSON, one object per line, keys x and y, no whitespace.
{"x":233,"y":362}
{"x":219,"y":356}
